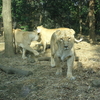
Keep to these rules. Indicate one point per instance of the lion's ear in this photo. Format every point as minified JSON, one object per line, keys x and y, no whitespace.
{"x":41,"y":25}
{"x":58,"y":32}
{"x":72,"y":31}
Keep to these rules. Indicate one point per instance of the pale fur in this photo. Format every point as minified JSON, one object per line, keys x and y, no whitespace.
{"x":62,"y":51}
{"x":47,"y":33}
{"x":23,"y":39}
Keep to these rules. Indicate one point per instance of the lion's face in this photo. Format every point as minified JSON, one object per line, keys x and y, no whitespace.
{"x":65,"y":40}
{"x":35,"y":36}
{"x":39,"y":28}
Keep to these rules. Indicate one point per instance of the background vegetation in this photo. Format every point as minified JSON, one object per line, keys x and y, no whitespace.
{"x":54,"y":13}
{"x":83,"y":17}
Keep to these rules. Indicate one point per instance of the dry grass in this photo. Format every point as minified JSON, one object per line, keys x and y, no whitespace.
{"x":45,"y":85}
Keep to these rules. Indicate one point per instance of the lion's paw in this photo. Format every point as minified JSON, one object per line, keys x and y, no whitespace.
{"x":53,"y":65}
{"x":59,"y":72}
{"x":42,"y":52}
{"x":24,"y":57}
{"x":36,"y":53}
{"x":71,"y":77}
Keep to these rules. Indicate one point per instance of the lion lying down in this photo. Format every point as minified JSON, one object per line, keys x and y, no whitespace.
{"x":47,"y":33}
{"x":62,"y":51}
{"x":23,"y":39}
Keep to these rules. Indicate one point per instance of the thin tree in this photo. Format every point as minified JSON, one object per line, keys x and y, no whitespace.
{"x":91,"y":16}
{"x":7,"y":23}
{"x":80,"y":17}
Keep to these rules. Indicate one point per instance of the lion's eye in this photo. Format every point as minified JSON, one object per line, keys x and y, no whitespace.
{"x":69,"y":38}
{"x":38,"y":33}
{"x":61,"y":39}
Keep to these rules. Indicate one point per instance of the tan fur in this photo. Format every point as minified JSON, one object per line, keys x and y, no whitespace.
{"x":23,"y":39}
{"x":47,"y":33}
{"x":62,"y":51}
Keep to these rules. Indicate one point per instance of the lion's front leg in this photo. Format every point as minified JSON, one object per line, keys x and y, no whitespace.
{"x":59,"y":70}
{"x":16,"y":47}
{"x":58,"y":66}
{"x":35,"y":53}
{"x":44,"y":47}
{"x":27,"y":47}
{"x":52,"y":61}
{"x":23,"y":54}
{"x":70,"y":63}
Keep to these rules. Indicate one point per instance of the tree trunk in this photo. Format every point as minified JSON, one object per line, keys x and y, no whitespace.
{"x":80,"y":23}
{"x":80,"y":18}
{"x":91,"y":21}
{"x":40,"y":20}
{"x":7,"y":22}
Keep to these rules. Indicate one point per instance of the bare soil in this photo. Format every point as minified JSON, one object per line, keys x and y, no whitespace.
{"x":44,"y":84}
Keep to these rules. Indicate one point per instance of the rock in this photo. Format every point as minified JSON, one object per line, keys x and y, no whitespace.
{"x":96,"y":83}
{"x":25,"y":91}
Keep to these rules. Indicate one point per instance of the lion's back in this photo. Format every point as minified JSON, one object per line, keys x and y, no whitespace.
{"x":18,"y":35}
{"x":53,"y":43}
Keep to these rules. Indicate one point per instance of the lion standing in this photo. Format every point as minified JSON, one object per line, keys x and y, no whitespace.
{"x":23,"y":39}
{"x":47,"y":33}
{"x":62,"y":51}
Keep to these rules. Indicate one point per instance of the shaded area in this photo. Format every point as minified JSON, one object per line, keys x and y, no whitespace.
{"x":43,"y":84}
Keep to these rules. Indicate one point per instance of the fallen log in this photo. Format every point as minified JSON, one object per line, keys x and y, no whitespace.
{"x":10,"y":70}
{"x":44,"y":59}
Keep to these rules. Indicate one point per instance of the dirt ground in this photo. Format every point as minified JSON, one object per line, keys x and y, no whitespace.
{"x":43,"y":84}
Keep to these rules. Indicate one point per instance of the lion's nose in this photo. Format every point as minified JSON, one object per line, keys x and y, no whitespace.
{"x":66,"y":46}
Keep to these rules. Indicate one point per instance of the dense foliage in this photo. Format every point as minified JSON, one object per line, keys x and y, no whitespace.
{"x":53,"y":13}
{"x":0,"y":9}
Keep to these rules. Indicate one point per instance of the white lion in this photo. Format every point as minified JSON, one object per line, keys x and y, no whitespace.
{"x":23,"y":39}
{"x":62,"y":51}
{"x":47,"y":33}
